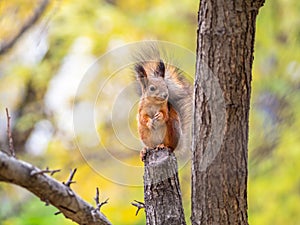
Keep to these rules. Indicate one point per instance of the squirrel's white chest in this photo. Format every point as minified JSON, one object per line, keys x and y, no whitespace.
{"x":157,"y":136}
{"x":152,"y":110}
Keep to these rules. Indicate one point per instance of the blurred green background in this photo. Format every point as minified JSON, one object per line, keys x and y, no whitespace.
{"x":40,"y":75}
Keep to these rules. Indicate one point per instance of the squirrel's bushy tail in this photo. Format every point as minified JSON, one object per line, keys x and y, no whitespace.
{"x":181,"y":97}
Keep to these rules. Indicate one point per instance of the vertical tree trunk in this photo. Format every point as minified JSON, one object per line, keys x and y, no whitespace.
{"x":222,"y":96}
{"x":163,"y":204}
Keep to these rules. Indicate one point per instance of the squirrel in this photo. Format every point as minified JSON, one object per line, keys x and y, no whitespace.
{"x":165,"y":106}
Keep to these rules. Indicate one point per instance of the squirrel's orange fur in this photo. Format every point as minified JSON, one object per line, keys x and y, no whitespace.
{"x":158,"y":121}
{"x":165,"y":108}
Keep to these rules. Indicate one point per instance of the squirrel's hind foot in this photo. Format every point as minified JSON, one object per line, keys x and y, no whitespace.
{"x":143,"y":153}
{"x":160,"y":146}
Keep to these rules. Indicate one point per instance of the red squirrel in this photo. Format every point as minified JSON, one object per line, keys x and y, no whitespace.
{"x":165,"y":105}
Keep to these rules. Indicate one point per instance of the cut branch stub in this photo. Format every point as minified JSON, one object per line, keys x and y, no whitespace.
{"x":163,"y":203}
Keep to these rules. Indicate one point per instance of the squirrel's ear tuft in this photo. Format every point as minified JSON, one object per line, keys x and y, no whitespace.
{"x":141,"y":74}
{"x":140,"y":71}
{"x":160,"y":69}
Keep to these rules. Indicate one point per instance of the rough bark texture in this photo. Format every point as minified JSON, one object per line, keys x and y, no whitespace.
{"x":50,"y":191}
{"x":222,"y":96}
{"x":163,"y":204}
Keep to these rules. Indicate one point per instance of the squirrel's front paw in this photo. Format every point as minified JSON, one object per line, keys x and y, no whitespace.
{"x":157,"y":120}
{"x":161,"y":146}
{"x":158,"y":116}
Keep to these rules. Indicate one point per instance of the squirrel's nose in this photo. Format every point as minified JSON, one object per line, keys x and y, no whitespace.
{"x":164,"y":95}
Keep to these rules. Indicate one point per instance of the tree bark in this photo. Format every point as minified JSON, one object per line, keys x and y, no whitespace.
{"x":163,"y":204}
{"x":226,"y":31}
{"x":50,"y":191}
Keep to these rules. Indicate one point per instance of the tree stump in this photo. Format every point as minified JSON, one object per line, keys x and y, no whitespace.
{"x":162,"y":195}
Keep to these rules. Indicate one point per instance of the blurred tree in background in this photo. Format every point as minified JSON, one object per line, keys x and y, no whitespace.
{"x":41,"y":73}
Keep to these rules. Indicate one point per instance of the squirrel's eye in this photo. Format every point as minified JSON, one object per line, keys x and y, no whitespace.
{"x":152,"y":88}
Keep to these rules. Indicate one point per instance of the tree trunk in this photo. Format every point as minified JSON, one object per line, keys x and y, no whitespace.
{"x":163,"y":204}
{"x":222,"y":97}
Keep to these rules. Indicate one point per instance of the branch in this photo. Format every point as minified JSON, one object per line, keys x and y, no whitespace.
{"x":47,"y":170}
{"x":49,"y":190}
{"x":9,"y":135}
{"x":139,"y":205}
{"x":70,"y":180}
{"x":6,"y":45}
{"x":98,"y":203}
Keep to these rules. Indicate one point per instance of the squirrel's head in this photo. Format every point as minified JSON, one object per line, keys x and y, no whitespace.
{"x":151,"y":78}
